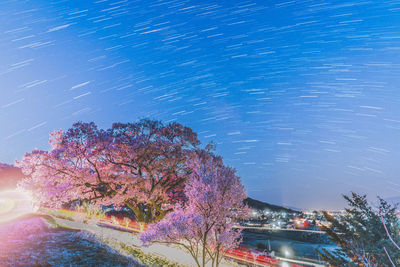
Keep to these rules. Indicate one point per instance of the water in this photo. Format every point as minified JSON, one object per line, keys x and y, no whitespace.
{"x":31,"y":242}
{"x":299,"y":250}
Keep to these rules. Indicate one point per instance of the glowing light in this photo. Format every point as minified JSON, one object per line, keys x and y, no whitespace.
{"x":287,"y":252}
{"x":15,"y":203}
{"x":6,"y":205}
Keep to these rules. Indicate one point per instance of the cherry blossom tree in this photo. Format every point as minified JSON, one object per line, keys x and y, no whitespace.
{"x":141,"y":165}
{"x":204,"y":224}
{"x":156,"y":156}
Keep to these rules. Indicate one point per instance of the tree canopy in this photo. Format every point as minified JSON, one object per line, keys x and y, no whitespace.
{"x":204,"y":224}
{"x":141,"y":165}
{"x":361,"y":235}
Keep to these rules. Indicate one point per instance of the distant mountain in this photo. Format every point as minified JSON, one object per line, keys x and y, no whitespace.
{"x":259,"y":205}
{"x":9,"y":176}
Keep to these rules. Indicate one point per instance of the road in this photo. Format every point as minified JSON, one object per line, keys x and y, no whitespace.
{"x":124,"y":234}
{"x":169,"y":252}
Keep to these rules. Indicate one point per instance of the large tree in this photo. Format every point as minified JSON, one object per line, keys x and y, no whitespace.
{"x":361,"y":236}
{"x":141,"y":165}
{"x":155,"y":156}
{"x":204,"y":224}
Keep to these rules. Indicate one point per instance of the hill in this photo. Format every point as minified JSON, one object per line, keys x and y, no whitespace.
{"x":259,"y":205}
{"x":9,"y":176}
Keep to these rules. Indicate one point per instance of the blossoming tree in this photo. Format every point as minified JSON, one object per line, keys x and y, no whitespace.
{"x":204,"y":224}
{"x":141,"y":165}
{"x":155,"y":155}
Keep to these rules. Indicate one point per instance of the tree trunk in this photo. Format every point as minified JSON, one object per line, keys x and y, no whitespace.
{"x":137,"y":211}
{"x":204,"y":249}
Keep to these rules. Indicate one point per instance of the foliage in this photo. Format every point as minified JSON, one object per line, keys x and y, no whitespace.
{"x":61,"y":216}
{"x":73,"y":169}
{"x":204,"y":224}
{"x":146,"y":258}
{"x":156,"y":156}
{"x":141,"y":165}
{"x":361,"y":235}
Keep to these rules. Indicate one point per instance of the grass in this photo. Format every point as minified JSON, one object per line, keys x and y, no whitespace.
{"x":54,"y":224}
{"x":146,"y":258}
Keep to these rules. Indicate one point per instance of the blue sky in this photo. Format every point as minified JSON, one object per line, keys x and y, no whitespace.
{"x":302,"y":97}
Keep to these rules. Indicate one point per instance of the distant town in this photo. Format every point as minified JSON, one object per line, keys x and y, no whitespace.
{"x":269,"y":216}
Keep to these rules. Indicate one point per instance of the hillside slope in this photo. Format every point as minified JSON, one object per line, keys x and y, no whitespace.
{"x":259,"y":205}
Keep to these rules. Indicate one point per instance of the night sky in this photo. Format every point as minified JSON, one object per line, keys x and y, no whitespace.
{"x":301,"y":97}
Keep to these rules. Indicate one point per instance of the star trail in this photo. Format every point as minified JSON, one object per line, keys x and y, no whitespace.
{"x":301,"y":97}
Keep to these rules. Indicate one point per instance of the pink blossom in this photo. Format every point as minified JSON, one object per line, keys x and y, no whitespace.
{"x":204,"y":225}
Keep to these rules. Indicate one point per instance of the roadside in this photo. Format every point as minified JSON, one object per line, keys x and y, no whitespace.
{"x":114,"y":238}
